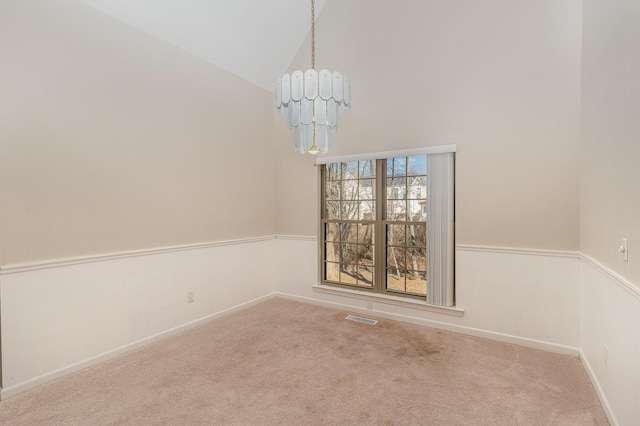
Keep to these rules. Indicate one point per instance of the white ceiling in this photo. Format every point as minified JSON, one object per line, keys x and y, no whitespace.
{"x":254,"y":39}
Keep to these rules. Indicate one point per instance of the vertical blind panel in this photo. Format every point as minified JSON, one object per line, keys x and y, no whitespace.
{"x":440,"y":237}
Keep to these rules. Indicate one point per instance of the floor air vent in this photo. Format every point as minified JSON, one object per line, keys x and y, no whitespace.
{"x":360,"y":319}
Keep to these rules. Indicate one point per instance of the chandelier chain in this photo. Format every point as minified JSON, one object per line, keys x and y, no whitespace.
{"x":313,"y":34}
{"x":313,"y":66}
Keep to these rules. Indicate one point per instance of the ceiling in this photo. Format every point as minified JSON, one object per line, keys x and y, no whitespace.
{"x":254,"y":39}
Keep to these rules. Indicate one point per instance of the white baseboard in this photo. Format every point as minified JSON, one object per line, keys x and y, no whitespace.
{"x":599,"y":391}
{"x":469,"y":331}
{"x":70,"y":369}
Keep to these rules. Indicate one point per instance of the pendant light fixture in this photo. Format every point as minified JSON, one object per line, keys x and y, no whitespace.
{"x":312,"y":101}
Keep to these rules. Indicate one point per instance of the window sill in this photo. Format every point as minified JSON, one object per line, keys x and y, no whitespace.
{"x":387,"y":299}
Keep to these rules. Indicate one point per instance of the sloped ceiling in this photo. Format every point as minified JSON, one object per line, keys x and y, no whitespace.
{"x":254,"y":39}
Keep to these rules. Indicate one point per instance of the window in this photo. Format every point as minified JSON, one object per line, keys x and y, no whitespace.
{"x":349,"y":223}
{"x":387,"y":225}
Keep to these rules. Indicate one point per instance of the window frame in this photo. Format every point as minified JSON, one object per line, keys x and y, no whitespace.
{"x":323,"y":221}
{"x":380,"y":221}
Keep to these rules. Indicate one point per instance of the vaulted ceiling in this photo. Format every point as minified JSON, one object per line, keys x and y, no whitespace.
{"x":254,"y":39}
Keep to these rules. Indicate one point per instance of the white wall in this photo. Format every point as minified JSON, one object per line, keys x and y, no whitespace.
{"x":610,"y":317}
{"x":610,"y":202}
{"x":525,"y":297}
{"x":59,"y":318}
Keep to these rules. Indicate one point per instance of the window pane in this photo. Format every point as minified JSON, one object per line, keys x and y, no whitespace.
{"x":349,"y":210}
{"x":420,"y":234}
{"x":416,"y":282}
{"x":332,"y":190}
{"x":417,"y":238}
{"x":417,"y":210}
{"x":396,"y":188}
{"x":365,"y":254}
{"x":350,"y":170}
{"x":404,"y":257}
{"x":396,"y":258}
{"x":417,"y":165}
{"x":418,"y":187}
{"x":396,"y":235}
{"x":349,"y":274}
{"x":332,"y":271}
{"x":365,"y":275}
{"x":367,"y":169}
{"x":332,"y":210}
{"x":395,"y":280}
{"x":350,"y":190}
{"x":366,"y":234}
{"x":396,"y":210}
{"x":416,"y":181}
{"x":367,"y":210}
{"x":415,"y":259}
{"x":344,"y":231}
{"x":332,"y":252}
{"x":331,"y":232}
{"x":349,"y":253}
{"x":349,"y":233}
{"x":334,"y":171}
{"x":397,"y":166}
{"x":367,"y":189}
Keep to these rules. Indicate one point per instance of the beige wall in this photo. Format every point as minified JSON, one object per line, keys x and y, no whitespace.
{"x":114,"y":141}
{"x":111,"y":140}
{"x":501,"y":79}
{"x":610,"y":174}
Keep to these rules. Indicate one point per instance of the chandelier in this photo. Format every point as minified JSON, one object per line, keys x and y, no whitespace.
{"x":312,"y":101}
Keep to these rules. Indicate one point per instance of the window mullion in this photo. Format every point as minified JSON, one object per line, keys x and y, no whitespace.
{"x":322,"y":176}
{"x":381,"y":208}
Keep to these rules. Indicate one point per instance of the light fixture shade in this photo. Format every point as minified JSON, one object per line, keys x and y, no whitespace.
{"x":312,"y":102}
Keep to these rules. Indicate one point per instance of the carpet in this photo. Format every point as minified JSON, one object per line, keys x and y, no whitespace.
{"x":283,"y":362}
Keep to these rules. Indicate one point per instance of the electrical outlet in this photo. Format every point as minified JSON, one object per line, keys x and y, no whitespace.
{"x":191,"y":296}
{"x":606,"y":355}
{"x":624,"y":248}
{"x":370,"y":306}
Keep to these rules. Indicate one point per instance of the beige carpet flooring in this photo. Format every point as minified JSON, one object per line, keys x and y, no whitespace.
{"x":288,"y":363}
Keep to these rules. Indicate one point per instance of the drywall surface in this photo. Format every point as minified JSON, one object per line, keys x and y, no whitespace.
{"x":528,"y":298}
{"x":610,"y":196}
{"x":57,"y":320}
{"x":111,"y":140}
{"x":500,"y":79}
{"x":610,"y":202}
{"x":609,"y":330}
